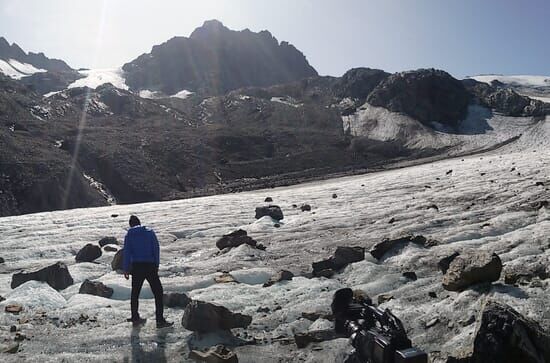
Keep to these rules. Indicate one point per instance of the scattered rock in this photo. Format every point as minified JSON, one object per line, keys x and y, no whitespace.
{"x":217,"y":354}
{"x":505,"y":336}
{"x":305,"y":208}
{"x":204,"y":317}
{"x":282,"y":275}
{"x":334,"y":196}
{"x":433,"y":206}
{"x":56,"y":275}
{"x":110,"y":249}
{"x":176,"y":300}
{"x":382,"y":298}
{"x":235,"y":239}
{"x":380,"y":249}
{"x":392,"y":220}
{"x":2,"y":298}
{"x":1,"y":260}
{"x":317,"y":336}
{"x":272,"y":211}
{"x":95,"y":288}
{"x":268,"y":200}
{"x":449,"y":172}
{"x":224,"y":278}
{"x":432,"y":294}
{"x":432,"y":322}
{"x":108,"y":241}
{"x":342,"y":257}
{"x":117,"y":262}
{"x":19,"y":337}
{"x":471,"y":268}
{"x":276,"y":225}
{"x":88,"y":253}
{"x":524,"y":271}
{"x":263,"y":310}
{"x":539,"y":184}
{"x":13,"y":308}
{"x":114,"y":215}
{"x":411,"y":275}
{"x":468,"y":321}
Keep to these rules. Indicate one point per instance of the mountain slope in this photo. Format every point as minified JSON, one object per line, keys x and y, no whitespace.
{"x":214,"y":60}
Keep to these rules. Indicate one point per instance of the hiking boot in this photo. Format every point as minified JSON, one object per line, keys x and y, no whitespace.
{"x":164,"y":324}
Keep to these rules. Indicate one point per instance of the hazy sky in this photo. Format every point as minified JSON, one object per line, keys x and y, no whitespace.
{"x":464,"y":37}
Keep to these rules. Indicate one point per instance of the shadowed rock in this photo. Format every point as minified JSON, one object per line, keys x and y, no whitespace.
{"x":446,"y":261}
{"x":303,"y":339}
{"x":380,"y":249}
{"x":505,"y":336}
{"x":235,"y":239}
{"x":88,"y":253}
{"x":108,"y":241}
{"x":56,"y":275}
{"x":282,"y":275}
{"x":342,"y":257}
{"x":176,"y":300}
{"x":116,"y":264}
{"x":95,"y":288}
{"x":203,"y":317}
{"x":217,"y":354}
{"x":273,"y":211}
{"x":472,"y":268}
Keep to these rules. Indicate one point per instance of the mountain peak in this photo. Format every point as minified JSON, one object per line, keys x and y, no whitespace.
{"x":208,"y":28}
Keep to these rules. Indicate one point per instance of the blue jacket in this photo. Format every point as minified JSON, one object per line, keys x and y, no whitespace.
{"x":140,"y":245}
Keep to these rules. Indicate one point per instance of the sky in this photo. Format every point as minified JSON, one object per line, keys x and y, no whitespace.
{"x":463,"y":37}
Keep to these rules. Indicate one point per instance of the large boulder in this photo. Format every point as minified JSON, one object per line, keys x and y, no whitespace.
{"x":95,"y":288}
{"x":342,"y":257}
{"x":56,"y":275}
{"x":235,"y":239}
{"x":471,"y":268}
{"x":176,"y":300}
{"x":273,"y":211}
{"x":505,"y":336}
{"x":118,"y":260}
{"x":203,"y":317}
{"x":108,"y":241}
{"x":88,"y":253}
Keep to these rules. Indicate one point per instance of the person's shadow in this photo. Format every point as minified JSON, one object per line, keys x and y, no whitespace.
{"x":141,"y":354}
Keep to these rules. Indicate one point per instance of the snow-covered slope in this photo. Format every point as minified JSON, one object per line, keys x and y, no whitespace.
{"x":16,"y":69}
{"x":482,"y":204}
{"x":94,"y":78}
{"x":522,"y":80}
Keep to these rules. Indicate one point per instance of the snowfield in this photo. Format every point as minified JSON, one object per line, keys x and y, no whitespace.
{"x":483,"y":204}
{"x":17,"y":70}
{"x":94,"y":78}
{"x":522,"y":80}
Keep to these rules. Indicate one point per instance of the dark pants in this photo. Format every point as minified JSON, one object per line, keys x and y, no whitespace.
{"x":142,"y":271}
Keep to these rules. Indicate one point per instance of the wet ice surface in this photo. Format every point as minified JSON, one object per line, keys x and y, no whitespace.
{"x":480,"y":206}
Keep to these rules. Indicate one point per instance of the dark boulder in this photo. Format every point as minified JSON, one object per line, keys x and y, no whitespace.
{"x":505,"y":336}
{"x":203,"y":317}
{"x":524,"y":270}
{"x":118,"y":260}
{"x":471,"y":268}
{"x":342,"y":257}
{"x":305,"y":208}
{"x":110,"y":248}
{"x":95,"y":288}
{"x":282,"y":275}
{"x":176,"y":300}
{"x":1,"y":260}
{"x":317,"y":336}
{"x":88,"y":253}
{"x":444,"y":263}
{"x":235,"y":239}
{"x":358,"y":83}
{"x":272,"y":211}
{"x":56,"y":275}
{"x":108,"y":241}
{"x":268,"y":200}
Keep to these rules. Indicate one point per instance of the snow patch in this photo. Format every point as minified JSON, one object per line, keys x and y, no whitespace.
{"x":183,"y":94}
{"x":94,"y":78}
{"x":287,"y":100}
{"x":36,"y":295}
{"x":17,"y":70}
{"x":521,"y":80}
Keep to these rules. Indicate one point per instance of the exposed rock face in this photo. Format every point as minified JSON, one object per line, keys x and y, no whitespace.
{"x":108,"y":241}
{"x":176,"y":300}
{"x":505,"y":336}
{"x":425,"y":94}
{"x":273,"y":211}
{"x":95,"y":288}
{"x":204,"y":317}
{"x":524,"y":270}
{"x":235,"y":239}
{"x":117,"y":262}
{"x":214,"y":60}
{"x":444,"y":263}
{"x":472,"y":268}
{"x":88,"y":253}
{"x":303,"y":339}
{"x":342,"y":257}
{"x":38,"y":60}
{"x":56,"y":275}
{"x":358,"y":83}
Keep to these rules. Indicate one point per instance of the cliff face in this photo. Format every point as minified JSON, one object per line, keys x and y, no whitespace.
{"x":214,"y":60}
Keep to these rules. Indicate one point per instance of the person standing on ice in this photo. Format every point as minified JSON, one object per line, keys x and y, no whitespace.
{"x":141,"y":258}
